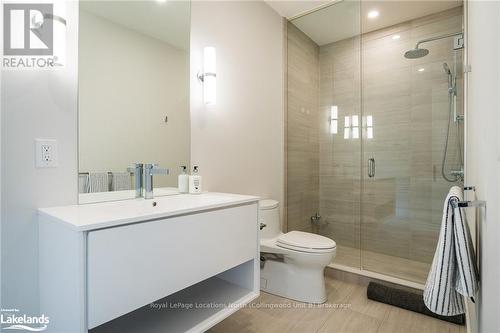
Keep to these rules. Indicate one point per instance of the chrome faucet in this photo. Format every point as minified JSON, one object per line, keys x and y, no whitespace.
{"x":151,"y":169}
{"x":137,"y":170}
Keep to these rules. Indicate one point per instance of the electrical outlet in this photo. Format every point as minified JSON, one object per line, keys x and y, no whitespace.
{"x":45,"y":153}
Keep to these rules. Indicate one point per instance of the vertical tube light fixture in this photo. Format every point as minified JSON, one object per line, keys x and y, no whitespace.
{"x":208,"y":75}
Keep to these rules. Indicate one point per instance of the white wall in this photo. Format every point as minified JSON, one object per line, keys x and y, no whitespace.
{"x":35,"y":104}
{"x":141,"y":80}
{"x":238,"y":143}
{"x":483,"y":150}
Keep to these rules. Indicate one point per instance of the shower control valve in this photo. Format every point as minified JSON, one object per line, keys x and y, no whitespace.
{"x":315,"y":219}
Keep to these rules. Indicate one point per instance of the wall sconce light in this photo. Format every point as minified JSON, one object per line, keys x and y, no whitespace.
{"x":334,"y":116}
{"x":208,"y":75}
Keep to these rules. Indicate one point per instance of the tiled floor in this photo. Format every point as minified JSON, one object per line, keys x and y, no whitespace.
{"x":399,"y":267}
{"x":347,"y":310}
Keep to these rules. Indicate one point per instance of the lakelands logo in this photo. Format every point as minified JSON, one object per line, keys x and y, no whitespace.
{"x":11,"y":319}
{"x":28,"y":35}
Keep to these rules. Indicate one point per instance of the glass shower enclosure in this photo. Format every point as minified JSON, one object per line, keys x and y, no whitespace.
{"x":374,"y":133}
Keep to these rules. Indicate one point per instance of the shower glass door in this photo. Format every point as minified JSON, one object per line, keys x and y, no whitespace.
{"x":406,"y":112}
{"x":367,"y":132}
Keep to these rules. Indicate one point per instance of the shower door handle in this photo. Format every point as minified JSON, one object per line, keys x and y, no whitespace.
{"x":371,"y":167}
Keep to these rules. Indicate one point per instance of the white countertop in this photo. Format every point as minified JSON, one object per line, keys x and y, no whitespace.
{"x":109,"y":214}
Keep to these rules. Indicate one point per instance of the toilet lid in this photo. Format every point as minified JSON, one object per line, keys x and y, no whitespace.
{"x":305,"y":241}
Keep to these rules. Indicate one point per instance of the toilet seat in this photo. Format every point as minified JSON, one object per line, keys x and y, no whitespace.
{"x":305,"y":242}
{"x":292,"y":264}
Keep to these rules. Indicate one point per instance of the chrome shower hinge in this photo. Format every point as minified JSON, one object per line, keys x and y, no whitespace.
{"x":458,"y":42}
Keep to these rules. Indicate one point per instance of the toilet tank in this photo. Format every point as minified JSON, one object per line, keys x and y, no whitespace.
{"x":269,"y":214}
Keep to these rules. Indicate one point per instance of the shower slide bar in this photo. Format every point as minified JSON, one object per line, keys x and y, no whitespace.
{"x":473,"y":203}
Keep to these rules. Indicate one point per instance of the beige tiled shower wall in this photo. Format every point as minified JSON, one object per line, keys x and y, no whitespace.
{"x":302,"y":129}
{"x":397,"y":212}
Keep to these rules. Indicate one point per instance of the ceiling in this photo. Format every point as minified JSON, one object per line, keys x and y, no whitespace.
{"x":342,"y":19}
{"x":394,"y":12}
{"x":290,"y":9}
{"x":167,"y":21}
{"x":333,"y":23}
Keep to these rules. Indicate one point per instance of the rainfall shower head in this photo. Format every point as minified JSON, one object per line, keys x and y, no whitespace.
{"x":446,"y":69}
{"x":416,"y":53}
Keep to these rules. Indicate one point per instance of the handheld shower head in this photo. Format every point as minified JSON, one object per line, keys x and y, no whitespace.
{"x":416,"y":53}
{"x":446,"y":68}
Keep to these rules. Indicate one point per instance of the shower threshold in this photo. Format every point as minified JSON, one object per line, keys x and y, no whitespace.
{"x":405,"y":271}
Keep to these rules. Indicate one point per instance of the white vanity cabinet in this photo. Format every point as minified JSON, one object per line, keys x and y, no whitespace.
{"x":171,"y":264}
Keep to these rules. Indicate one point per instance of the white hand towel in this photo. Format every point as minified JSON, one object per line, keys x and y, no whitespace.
{"x":122,"y":181}
{"x":453,"y":273}
{"x":99,"y":182}
{"x":83,"y":183}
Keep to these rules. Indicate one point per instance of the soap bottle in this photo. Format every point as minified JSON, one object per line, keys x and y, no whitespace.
{"x":195,"y":181}
{"x":183,"y":181}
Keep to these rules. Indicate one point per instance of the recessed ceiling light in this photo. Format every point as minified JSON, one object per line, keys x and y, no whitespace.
{"x":161,"y":1}
{"x":421,"y":69}
{"x":373,"y":14}
{"x":396,"y":37}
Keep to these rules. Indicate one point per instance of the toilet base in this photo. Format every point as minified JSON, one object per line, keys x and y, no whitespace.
{"x":289,"y":279}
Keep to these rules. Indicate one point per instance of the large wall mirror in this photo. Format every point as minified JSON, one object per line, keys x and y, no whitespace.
{"x":133,"y":94}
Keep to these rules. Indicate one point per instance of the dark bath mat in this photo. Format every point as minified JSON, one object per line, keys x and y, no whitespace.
{"x":407,"y":300}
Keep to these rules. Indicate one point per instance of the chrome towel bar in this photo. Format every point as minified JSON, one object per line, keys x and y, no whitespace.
{"x":465,"y":204}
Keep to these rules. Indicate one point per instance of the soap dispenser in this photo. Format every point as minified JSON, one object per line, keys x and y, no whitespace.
{"x":195,"y":181}
{"x":183,"y":181}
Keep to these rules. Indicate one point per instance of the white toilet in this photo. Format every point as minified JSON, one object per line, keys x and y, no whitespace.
{"x":292,"y":264}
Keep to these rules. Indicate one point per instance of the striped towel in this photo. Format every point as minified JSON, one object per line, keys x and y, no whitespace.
{"x":99,"y":182}
{"x":122,"y":181}
{"x":453,"y":273}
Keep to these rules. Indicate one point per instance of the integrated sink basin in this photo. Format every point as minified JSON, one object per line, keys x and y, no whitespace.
{"x":87,"y":198}
{"x":107,"y":214}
